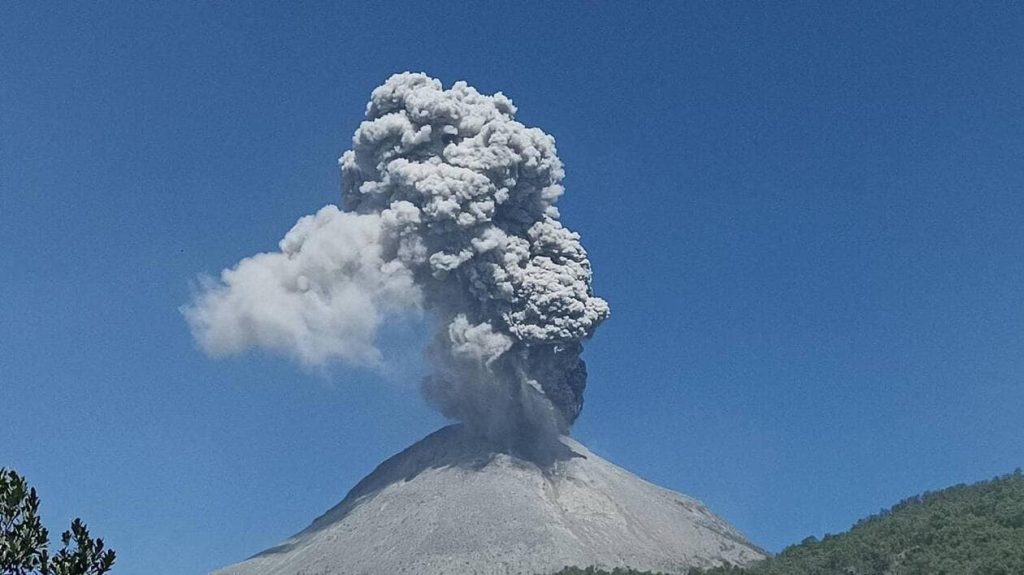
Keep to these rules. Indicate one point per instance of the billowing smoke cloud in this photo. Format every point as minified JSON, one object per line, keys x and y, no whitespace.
{"x":449,"y":208}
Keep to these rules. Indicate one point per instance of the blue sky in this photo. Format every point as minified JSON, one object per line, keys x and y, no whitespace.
{"x":806,"y":218}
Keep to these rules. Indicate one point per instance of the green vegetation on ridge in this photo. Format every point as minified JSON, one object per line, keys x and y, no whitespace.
{"x":966,"y":529}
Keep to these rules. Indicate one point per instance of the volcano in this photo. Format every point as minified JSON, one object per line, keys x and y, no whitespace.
{"x":456,"y":503}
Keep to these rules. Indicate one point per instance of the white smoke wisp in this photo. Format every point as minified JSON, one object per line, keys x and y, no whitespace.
{"x":320,"y":298}
{"x":449,"y":207}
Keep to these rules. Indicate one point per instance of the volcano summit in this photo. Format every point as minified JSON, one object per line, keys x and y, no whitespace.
{"x":454,"y":503}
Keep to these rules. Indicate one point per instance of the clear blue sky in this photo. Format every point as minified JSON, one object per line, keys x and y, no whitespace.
{"x":807,"y":220}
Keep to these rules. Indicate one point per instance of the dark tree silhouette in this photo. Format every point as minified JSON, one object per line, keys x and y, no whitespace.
{"x":24,"y":542}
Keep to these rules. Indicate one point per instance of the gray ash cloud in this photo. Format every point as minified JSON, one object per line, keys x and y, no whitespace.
{"x":448,"y":206}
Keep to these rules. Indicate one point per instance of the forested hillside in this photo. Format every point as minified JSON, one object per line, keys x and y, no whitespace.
{"x":966,"y":529}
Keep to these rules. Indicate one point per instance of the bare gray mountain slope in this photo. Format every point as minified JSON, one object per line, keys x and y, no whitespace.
{"x":453,"y":504}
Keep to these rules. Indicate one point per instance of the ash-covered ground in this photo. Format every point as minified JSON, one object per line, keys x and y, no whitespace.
{"x":455,"y":503}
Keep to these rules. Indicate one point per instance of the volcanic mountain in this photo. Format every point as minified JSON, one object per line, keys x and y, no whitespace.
{"x":455,"y":503}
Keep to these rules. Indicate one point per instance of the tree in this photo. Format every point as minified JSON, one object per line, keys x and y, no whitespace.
{"x":24,"y":541}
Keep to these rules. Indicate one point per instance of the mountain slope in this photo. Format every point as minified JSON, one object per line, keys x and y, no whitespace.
{"x":976,"y":529}
{"x":452,"y":503}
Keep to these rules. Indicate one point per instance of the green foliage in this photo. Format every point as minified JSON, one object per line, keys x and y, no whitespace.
{"x":86,"y":557}
{"x":22,"y":535}
{"x":975,"y":529}
{"x":24,"y":541}
{"x":596,"y":571}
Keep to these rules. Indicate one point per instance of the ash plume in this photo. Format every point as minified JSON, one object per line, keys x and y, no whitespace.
{"x":448,"y":207}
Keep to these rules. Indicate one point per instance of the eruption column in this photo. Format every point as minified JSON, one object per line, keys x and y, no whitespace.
{"x":449,"y":206}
